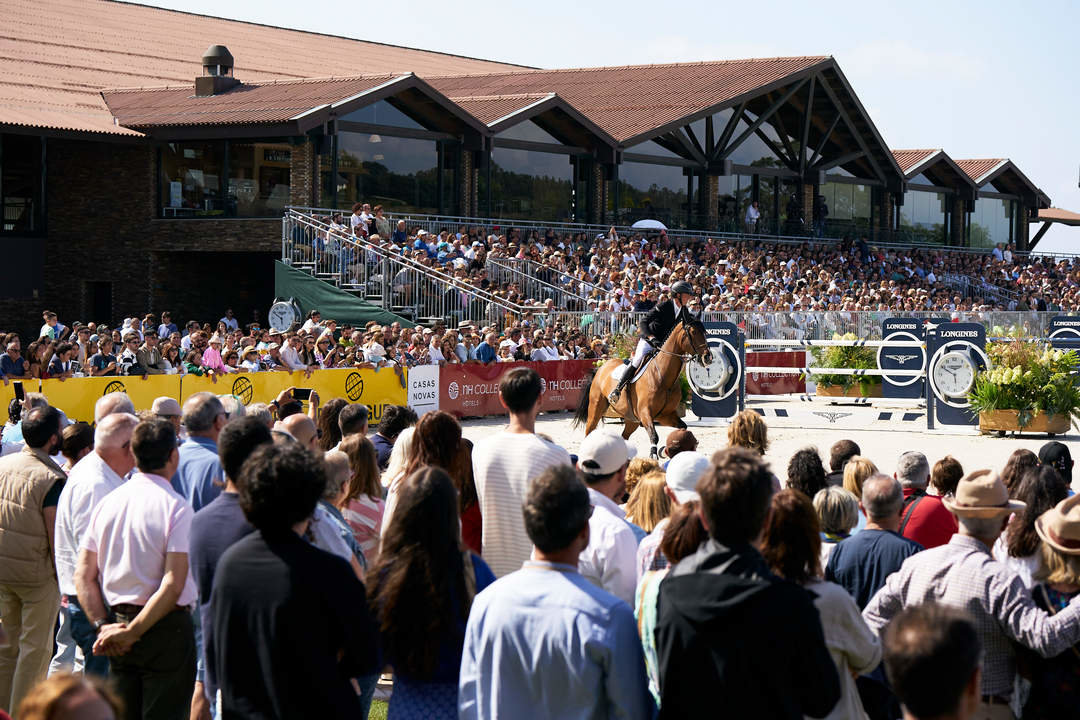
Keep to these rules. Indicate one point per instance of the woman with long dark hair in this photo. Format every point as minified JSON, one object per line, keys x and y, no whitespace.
{"x":329,"y":431}
{"x":1040,"y":489}
{"x":422,"y":588}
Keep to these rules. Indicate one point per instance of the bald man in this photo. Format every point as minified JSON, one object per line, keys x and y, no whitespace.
{"x":302,"y":428}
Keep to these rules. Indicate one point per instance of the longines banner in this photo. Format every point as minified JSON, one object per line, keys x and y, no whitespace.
{"x":473,"y":390}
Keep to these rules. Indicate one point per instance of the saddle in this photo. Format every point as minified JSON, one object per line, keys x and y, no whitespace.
{"x":618,"y":372}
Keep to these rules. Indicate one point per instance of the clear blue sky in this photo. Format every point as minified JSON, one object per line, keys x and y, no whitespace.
{"x":979,"y":79}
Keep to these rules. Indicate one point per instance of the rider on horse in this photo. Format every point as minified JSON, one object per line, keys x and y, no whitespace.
{"x":654,"y":329}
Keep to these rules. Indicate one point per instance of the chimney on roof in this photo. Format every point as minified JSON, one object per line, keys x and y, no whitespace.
{"x":217,"y":74}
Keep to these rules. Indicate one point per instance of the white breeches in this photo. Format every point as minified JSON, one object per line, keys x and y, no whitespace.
{"x":642,"y":351}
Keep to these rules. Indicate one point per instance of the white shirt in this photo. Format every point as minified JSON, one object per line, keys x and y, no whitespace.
{"x":230,"y":323}
{"x":132,"y":530}
{"x":291,"y":358}
{"x":88,"y":482}
{"x":435,"y":355}
{"x":503,"y":464}
{"x":752,"y":214}
{"x":610,"y":560}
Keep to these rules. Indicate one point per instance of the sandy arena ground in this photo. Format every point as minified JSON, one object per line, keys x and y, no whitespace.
{"x":821,"y":425}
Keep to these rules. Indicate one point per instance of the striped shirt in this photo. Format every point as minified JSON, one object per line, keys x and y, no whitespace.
{"x":964,"y":575}
{"x":503,"y":464}
{"x":364,"y":517}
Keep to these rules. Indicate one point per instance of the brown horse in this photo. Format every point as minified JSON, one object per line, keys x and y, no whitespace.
{"x":654,"y":398}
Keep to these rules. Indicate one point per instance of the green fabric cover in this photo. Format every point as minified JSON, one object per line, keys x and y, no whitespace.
{"x":332,"y":302}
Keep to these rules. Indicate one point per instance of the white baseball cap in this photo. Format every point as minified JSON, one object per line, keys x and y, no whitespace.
{"x":683,"y":472}
{"x":603,"y":453}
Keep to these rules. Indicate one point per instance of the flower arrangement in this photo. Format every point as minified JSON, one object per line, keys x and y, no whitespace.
{"x":845,"y":356}
{"x":1029,"y":378}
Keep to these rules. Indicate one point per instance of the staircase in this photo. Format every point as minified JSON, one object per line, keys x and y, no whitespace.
{"x":422,"y":292}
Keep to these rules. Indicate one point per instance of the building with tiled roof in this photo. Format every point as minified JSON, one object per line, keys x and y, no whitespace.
{"x":132,"y":152}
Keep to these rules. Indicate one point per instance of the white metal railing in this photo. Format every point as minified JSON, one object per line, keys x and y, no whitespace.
{"x":396,"y":283}
{"x":530,"y":279}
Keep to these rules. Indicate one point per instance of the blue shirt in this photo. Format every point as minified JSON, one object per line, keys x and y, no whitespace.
{"x":862,"y":563}
{"x":485,"y":353}
{"x":199,"y":477}
{"x":549,"y":617}
{"x":214,"y":529}
{"x":10,"y":367}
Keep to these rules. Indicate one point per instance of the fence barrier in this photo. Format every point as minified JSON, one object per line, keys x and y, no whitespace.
{"x":76,"y":396}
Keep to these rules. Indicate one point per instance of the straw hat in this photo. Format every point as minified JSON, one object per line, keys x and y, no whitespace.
{"x":982,"y":494}
{"x":1059,"y":527}
{"x":215,"y":338}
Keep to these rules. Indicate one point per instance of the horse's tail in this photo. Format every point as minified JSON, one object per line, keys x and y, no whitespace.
{"x":581,"y":415}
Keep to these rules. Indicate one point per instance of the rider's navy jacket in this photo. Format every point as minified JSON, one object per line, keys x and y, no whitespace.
{"x":660,"y":321}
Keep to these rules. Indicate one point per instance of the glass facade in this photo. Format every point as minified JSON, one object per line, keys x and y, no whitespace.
{"x":847,"y":201}
{"x":225,"y":178}
{"x":528,"y":185}
{"x":401,"y":174}
{"x":652,"y":191}
{"x":923,"y":215}
{"x":991,"y":222}
{"x":21,"y":175}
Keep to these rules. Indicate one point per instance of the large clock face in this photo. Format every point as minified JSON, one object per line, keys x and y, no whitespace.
{"x":710,"y":377}
{"x":281,"y":316}
{"x":954,"y":374}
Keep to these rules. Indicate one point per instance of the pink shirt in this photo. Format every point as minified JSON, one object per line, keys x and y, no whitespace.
{"x":211,"y":358}
{"x":364,"y":516}
{"x":131,"y":530}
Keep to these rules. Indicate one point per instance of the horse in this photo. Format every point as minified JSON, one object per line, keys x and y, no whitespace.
{"x":655,"y":397}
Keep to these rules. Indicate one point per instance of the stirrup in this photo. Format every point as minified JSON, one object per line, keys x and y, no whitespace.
{"x":613,"y":396}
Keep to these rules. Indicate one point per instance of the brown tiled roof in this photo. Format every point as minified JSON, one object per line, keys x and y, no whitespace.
{"x":490,"y":108}
{"x":1065,"y":217}
{"x":979,"y":168}
{"x":908,"y":159}
{"x":631,"y":100}
{"x":56,"y":55}
{"x":273,"y":102}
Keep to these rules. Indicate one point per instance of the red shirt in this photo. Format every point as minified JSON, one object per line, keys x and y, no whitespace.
{"x":930,"y":523}
{"x":472,"y":533}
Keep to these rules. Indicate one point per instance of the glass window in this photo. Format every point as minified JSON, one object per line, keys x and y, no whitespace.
{"x":259,"y":176}
{"x":382,"y":113}
{"x":20,"y":184}
{"x":990,"y":222}
{"x":528,"y":131}
{"x":528,"y":185}
{"x":191,"y":179}
{"x":652,"y":191}
{"x":923,"y":213}
{"x":920,"y":179}
{"x":397,"y":173}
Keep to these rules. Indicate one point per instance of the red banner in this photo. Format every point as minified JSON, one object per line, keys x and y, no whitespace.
{"x":472,"y":390}
{"x":775,"y":383}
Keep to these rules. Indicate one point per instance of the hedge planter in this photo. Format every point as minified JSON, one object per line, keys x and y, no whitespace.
{"x":855,"y":391}
{"x":1003,"y":421}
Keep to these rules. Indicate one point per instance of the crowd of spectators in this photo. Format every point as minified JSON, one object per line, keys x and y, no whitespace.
{"x":616,"y":272}
{"x":267,"y":562}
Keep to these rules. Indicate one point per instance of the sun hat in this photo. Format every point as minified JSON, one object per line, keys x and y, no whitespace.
{"x":215,"y":338}
{"x":166,"y":407}
{"x":1059,"y":527}
{"x":981,"y":494}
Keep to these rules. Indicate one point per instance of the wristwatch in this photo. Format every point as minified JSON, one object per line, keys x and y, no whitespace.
{"x":97,"y":625}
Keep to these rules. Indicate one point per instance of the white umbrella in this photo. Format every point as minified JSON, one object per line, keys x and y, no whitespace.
{"x":648,"y":225}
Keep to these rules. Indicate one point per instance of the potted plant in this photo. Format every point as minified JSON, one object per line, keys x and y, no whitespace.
{"x":845,"y":356}
{"x":1031,"y":387}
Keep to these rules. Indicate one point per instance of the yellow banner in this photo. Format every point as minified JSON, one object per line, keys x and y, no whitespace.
{"x":7,"y":392}
{"x":374,"y":388}
{"x":76,"y":396}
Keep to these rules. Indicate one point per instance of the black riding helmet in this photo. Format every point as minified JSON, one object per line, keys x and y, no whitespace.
{"x":682,"y":287}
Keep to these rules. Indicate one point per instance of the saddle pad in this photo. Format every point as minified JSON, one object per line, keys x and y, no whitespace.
{"x":618,"y":372}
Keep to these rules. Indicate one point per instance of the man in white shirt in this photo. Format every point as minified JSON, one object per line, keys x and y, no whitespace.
{"x":229,"y":320}
{"x":752,"y":216}
{"x":290,"y":354}
{"x":609,"y":560}
{"x":504,"y":463}
{"x":138,"y":595}
{"x":92,"y":478}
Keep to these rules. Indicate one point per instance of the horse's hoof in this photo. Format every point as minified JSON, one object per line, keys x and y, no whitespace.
{"x":652,"y":453}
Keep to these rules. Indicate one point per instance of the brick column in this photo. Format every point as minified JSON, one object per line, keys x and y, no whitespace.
{"x":884,"y":221}
{"x":1021,"y":236}
{"x":956,"y":221}
{"x":598,"y":205}
{"x":466,"y":200}
{"x":809,"y":190}
{"x":301,"y":175}
{"x":710,"y":193}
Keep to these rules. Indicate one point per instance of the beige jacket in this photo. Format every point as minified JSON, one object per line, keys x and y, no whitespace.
{"x":25,"y":551}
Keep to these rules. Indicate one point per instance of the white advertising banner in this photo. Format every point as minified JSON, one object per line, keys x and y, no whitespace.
{"x":424,"y":388}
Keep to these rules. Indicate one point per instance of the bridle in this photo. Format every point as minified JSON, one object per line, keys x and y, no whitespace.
{"x":685,"y":357}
